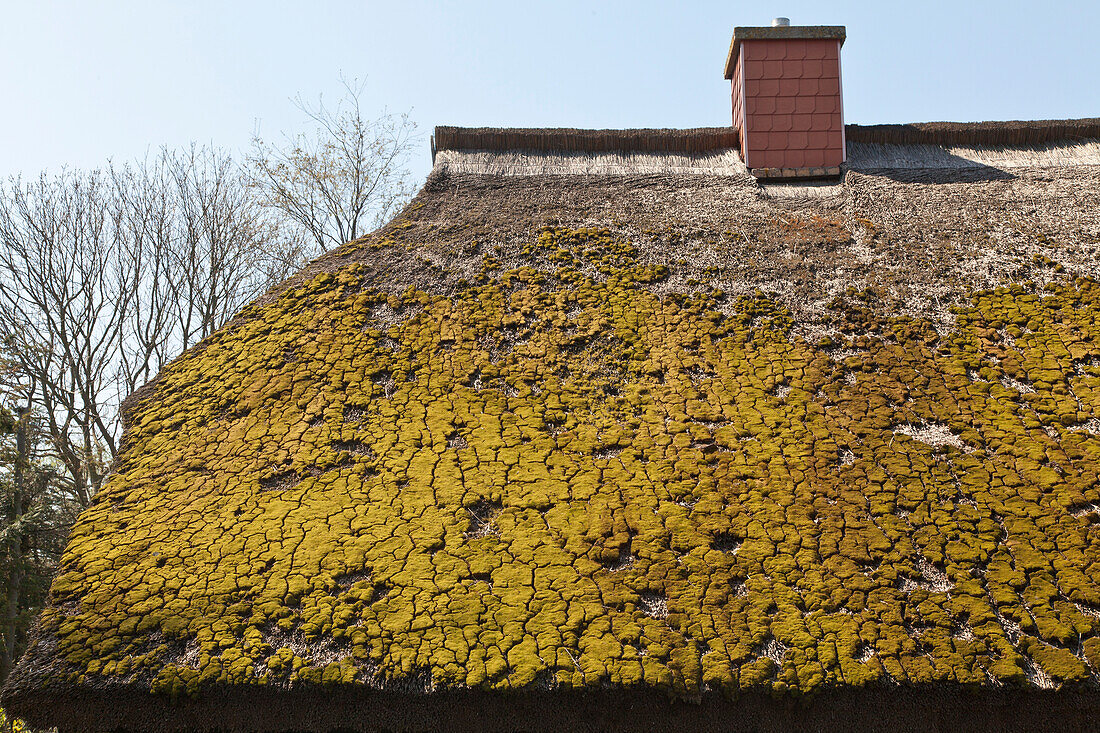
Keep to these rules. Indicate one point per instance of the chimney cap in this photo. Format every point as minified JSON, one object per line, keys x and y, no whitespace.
{"x":780,"y":22}
{"x":755,"y":33}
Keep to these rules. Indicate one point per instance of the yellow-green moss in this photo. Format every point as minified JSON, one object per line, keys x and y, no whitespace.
{"x":15,"y":726}
{"x":560,"y":475}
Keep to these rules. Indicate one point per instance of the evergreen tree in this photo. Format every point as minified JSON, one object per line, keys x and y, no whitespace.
{"x":34,"y":515}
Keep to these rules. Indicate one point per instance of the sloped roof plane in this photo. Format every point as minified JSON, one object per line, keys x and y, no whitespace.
{"x":619,"y":438}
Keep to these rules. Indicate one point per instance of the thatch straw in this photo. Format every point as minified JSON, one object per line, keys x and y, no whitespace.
{"x":1013,"y":132}
{"x":874,"y":156}
{"x":563,"y":140}
{"x":727,"y":162}
{"x":724,"y":162}
{"x":707,"y":139}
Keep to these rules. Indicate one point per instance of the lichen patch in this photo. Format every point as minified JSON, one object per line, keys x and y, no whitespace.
{"x":649,"y":487}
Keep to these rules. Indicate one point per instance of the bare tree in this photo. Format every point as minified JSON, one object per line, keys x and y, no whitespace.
{"x":347,"y":177}
{"x":222,"y":247}
{"x":65,"y":293}
{"x":106,"y":276}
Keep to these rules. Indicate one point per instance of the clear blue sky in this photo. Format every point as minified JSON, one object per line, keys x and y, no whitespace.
{"x":83,"y":82}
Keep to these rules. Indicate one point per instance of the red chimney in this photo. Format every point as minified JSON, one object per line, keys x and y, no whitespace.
{"x":786,"y":99}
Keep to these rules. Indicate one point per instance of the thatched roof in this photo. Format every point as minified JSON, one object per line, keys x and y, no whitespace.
{"x":637,"y":450}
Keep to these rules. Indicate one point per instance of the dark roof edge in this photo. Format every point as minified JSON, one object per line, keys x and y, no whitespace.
{"x":342,"y":707}
{"x":568,"y":140}
{"x":1011,"y":132}
{"x":705,"y":139}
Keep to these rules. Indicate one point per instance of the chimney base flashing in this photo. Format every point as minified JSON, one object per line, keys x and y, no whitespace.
{"x":828,"y":172}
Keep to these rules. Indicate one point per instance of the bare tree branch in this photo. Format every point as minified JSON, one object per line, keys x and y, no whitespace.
{"x":346,"y":178}
{"x":107,"y":275}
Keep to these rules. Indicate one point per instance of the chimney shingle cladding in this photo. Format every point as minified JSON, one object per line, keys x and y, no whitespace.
{"x":787,"y":103}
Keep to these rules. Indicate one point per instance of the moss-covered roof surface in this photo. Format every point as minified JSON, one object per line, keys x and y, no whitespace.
{"x":684,"y":438}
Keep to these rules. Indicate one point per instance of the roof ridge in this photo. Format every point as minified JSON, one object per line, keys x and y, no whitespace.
{"x":705,"y":139}
{"x":1007,"y":132}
